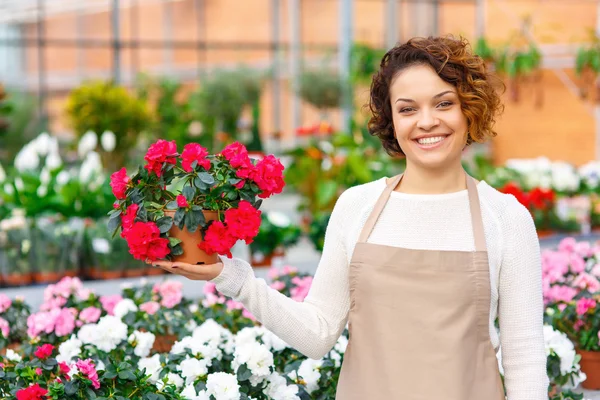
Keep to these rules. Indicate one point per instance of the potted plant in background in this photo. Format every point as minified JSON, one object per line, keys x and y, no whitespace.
{"x":13,"y":316}
{"x":275,"y":235}
{"x":15,"y":251}
{"x":192,"y":206}
{"x":323,"y":89}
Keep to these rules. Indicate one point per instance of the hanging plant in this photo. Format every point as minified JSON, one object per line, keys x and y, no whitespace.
{"x":587,"y":66}
{"x":321,"y":88}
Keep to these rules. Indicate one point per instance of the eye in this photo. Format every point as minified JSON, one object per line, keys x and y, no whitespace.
{"x":445,"y":104}
{"x":405,"y":110}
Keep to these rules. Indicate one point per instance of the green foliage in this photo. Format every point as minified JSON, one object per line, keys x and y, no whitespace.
{"x":364,"y":63}
{"x":18,"y":111}
{"x":272,"y":236}
{"x":317,"y":228}
{"x":322,"y":88}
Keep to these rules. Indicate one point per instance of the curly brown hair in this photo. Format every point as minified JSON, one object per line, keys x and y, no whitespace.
{"x":455,"y":63}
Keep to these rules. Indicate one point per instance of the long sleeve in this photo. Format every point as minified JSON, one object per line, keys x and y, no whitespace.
{"x":312,"y":327}
{"x":521,"y":307}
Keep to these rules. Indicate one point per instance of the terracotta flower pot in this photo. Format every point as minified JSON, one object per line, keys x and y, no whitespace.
{"x":155,"y":271}
{"x":543,"y":233}
{"x":163,"y":343}
{"x":189,"y":242}
{"x":18,"y":279}
{"x":111,"y":274}
{"x":264,"y":261}
{"x":590,"y":365}
{"x":134,"y":272}
{"x":46,"y":277}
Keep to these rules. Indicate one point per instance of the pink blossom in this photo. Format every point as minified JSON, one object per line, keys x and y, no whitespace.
{"x":38,"y":371}
{"x":65,"y":322}
{"x":5,"y":303}
{"x":273,"y":273}
{"x":87,"y":368}
{"x":210,"y":287}
{"x":555,"y":265}
{"x":587,"y":281}
{"x":41,"y":322}
{"x":288,"y":270}
{"x":584,"y":249}
{"x":90,"y":315}
{"x":560,"y":293}
{"x":234,"y":305}
{"x":150,"y":307}
{"x":278,"y":285}
{"x":596,"y":270}
{"x":212,"y":299}
{"x":110,"y":302}
{"x":248,"y":314}
{"x":171,"y":293}
{"x":577,"y":264}
{"x":84,"y":293}
{"x":577,"y":325}
{"x":567,"y":245}
{"x":561,"y":307}
{"x":302,"y":287}
{"x":52,"y":303}
{"x":584,"y":304}
{"x":4,"y":327}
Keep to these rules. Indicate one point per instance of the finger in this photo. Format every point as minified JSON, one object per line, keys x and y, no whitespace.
{"x":195,"y":269}
{"x":162,"y":263}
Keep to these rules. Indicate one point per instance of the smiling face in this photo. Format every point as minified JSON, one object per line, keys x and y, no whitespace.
{"x":429,"y":124}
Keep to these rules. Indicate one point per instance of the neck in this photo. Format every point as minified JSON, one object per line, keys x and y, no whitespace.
{"x":426,"y":181}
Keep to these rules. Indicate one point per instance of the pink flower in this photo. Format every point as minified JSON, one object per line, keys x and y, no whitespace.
{"x":212,"y":299}
{"x":53,"y":303}
{"x":584,"y":249}
{"x":4,"y":327}
{"x":64,"y":368}
{"x":194,"y":152}
{"x":577,"y":264}
{"x":44,"y":351}
{"x":234,"y":305}
{"x":171,"y":294}
{"x":248,"y":314}
{"x":84,"y":293}
{"x":38,"y":371}
{"x":577,"y":325}
{"x":278,"y":285}
{"x":210,"y":287}
{"x":5,"y":303}
{"x":109,"y":303}
{"x":560,"y":293}
{"x":584,"y":304}
{"x":273,"y":273}
{"x":90,"y":315}
{"x":567,"y":245}
{"x":302,"y":288}
{"x":150,"y":307}
{"x":42,"y":322}
{"x":587,"y":281}
{"x":65,"y":322}
{"x":34,"y":392}
{"x":182,"y":201}
{"x":119,"y":182}
{"x":87,"y":368}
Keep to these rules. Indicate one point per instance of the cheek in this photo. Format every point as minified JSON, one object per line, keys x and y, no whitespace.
{"x":402,"y":127}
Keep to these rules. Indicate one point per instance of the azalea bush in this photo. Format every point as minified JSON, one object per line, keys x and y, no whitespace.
{"x":572,"y":291}
{"x":276,"y":233}
{"x":187,"y":184}
{"x":13,"y":317}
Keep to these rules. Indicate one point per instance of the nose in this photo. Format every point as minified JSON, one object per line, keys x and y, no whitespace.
{"x":427,"y":120}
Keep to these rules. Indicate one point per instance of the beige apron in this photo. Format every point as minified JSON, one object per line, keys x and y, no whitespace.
{"x":419,"y":320}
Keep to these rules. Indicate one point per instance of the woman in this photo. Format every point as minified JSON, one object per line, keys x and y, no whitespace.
{"x":419,"y":265}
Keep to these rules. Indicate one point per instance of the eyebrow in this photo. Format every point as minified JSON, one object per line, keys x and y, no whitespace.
{"x":437,"y":96}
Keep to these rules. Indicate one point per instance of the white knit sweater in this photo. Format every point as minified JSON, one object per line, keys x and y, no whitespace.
{"x":431,"y":222}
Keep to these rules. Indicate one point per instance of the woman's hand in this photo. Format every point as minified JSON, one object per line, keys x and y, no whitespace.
{"x":204,"y":272}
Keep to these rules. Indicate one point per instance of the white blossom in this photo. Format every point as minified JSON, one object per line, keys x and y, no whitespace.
{"x":87,"y":143}
{"x":223,"y":386}
{"x":152,"y":366}
{"x":13,"y":356}
{"x":123,"y":307}
{"x":69,"y":349}
{"x":192,"y":368}
{"x":108,"y":141}
{"x":257,"y":358}
{"x":143,"y":342}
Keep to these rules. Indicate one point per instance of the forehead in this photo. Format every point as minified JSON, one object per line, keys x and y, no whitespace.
{"x":418,"y":81}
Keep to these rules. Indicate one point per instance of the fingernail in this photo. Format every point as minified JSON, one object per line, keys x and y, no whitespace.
{"x":173,"y":267}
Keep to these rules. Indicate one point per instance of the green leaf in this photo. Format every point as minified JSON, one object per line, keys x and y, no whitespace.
{"x":136,"y":196}
{"x":127,"y":375}
{"x":142,"y":214}
{"x":113,"y":224}
{"x":189,"y":193}
{"x":179,"y":218}
{"x":164,"y":224}
{"x":174,"y":241}
{"x":172,"y":205}
{"x":176,"y":250}
{"x":326,"y":191}
{"x":199,"y":184}
{"x":243,"y":373}
{"x":231,"y":195}
{"x":199,"y":217}
{"x":71,"y":387}
{"x":207,"y":178}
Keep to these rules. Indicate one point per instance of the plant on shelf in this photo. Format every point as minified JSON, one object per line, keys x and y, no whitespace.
{"x":194,"y":205}
{"x":15,"y":250}
{"x":275,"y":235}
{"x":13,"y":321}
{"x":100,"y":107}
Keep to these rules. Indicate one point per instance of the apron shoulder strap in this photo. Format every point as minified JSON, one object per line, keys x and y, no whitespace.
{"x":374,"y":216}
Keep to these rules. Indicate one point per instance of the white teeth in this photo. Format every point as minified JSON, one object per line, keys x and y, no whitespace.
{"x":431,"y":140}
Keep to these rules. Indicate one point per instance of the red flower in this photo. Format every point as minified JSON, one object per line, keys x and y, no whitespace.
{"x":38,"y":371}
{"x":44,"y":351}
{"x":268,"y":175}
{"x":194,"y":152}
{"x":128,"y":217}
{"x":182,"y":201}
{"x":64,"y":368}
{"x":159,"y":154}
{"x":144,"y":242}
{"x":515,"y":190}
{"x":217,"y":239}
{"x":34,"y":392}
{"x":541,"y":199}
{"x":118,"y":182}
{"x":243,"y":222}
{"x":237,"y":155}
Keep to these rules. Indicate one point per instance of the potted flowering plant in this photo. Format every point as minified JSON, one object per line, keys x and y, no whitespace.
{"x":571,"y":293}
{"x":189,"y":207}
{"x":276,"y":233}
{"x":13,"y":317}
{"x":15,"y":250}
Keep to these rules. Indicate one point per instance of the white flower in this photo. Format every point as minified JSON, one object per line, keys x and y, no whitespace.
{"x":90,"y":167}
{"x":123,"y":307}
{"x":152,"y":366}
{"x":100,"y":366}
{"x":2,"y":174}
{"x":53,"y":161}
{"x":193,"y":307}
{"x":192,"y":368}
{"x":273,"y":342}
{"x":189,"y":393}
{"x":88,"y":333}
{"x":45,"y":176}
{"x":223,"y":386}
{"x":277,"y":389}
{"x":309,"y":372}
{"x":63,"y":178}
{"x":69,"y":349}
{"x":143,"y":342}
{"x":564,"y":177}
{"x":101,"y":245}
{"x":110,"y":332}
{"x":590,"y":174}
{"x":190,"y":325}
{"x":11,"y":355}
{"x":559,"y":343}
{"x":73,"y":370}
{"x":42,"y":191}
{"x":341,"y":344}
{"x":257,"y":358}
{"x":27,"y":159}
{"x":336,"y":357}
{"x":87,"y":143}
{"x":248,"y":335}
{"x":278,"y":219}
{"x":8,"y":188}
{"x":174,"y":379}
{"x":42,"y":144}
{"x":108,"y":141}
